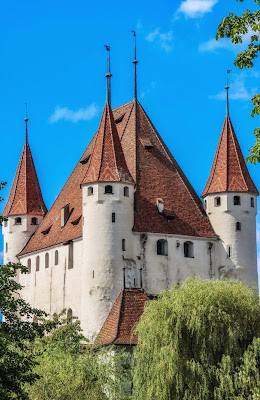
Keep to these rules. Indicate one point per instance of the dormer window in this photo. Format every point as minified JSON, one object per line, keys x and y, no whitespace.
{"x":65,"y":213}
{"x":126,"y":191}
{"x":34,"y":221}
{"x":236,"y":200}
{"x":90,"y":190}
{"x":120,"y":119}
{"x":108,"y":189}
{"x":18,"y":221}
{"x":217,"y":201}
{"x":160,"y":205}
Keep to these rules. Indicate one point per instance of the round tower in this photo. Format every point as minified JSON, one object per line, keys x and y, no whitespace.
{"x":230,"y":200}
{"x":25,"y":208}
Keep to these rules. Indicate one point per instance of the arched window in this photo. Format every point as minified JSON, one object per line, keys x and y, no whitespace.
{"x":56,"y":257}
{"x":18,"y":221}
{"x":236,"y":200}
{"x":126,"y":191}
{"x":238,"y":226}
{"x":188,"y":249}
{"x":252,"y":202}
{"x":123,"y":244}
{"x":6,"y":247}
{"x":113,"y":217}
{"x":34,"y":221}
{"x":69,"y":313}
{"x":29,"y":265}
{"x":217,"y":201}
{"x":38,"y":263}
{"x":108,"y":189}
{"x":162,"y":247}
{"x":47,"y":260}
{"x":35,"y":320}
{"x":90,"y":191}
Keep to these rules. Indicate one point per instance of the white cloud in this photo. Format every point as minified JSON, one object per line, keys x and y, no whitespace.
{"x":83,"y":114}
{"x":196,"y":8}
{"x":212,"y":45}
{"x":164,"y":39}
{"x":147,"y":91}
{"x":239,"y":89}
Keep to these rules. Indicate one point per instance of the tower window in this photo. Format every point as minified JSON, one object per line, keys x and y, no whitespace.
{"x":228,"y":251}
{"x":29,"y":265}
{"x":108,"y":189}
{"x":69,"y":313}
{"x":18,"y":221}
{"x":70,"y":263}
{"x":123,"y":244}
{"x":90,"y":191}
{"x":38,"y":263}
{"x":47,"y":260}
{"x":113,"y":217}
{"x":6,"y":247}
{"x":126,"y":191}
{"x":236,"y":200}
{"x":252,"y":202}
{"x":205,"y":204}
{"x":56,"y":257}
{"x":162,"y":247}
{"x":238,"y":226}
{"x":188,"y":250}
{"x":34,"y":221}
{"x":217,"y":201}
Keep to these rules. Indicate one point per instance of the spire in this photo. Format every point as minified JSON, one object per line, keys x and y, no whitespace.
{"x":135,"y":62}
{"x":108,"y":76}
{"x":229,"y":172}
{"x":227,"y":87}
{"x":26,"y":128}
{"x":107,"y":162}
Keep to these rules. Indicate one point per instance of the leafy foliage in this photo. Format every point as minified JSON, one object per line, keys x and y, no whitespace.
{"x":197,"y":342}
{"x":71,"y":369}
{"x":234,"y":27}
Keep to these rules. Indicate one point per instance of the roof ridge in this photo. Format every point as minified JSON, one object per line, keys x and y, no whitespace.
{"x":127,"y":122}
{"x":233,"y":136}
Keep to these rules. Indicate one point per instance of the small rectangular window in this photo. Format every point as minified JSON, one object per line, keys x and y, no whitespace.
{"x":113,"y":217}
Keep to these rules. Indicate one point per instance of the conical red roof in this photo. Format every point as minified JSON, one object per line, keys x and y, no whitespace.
{"x":229,"y":172}
{"x":25,"y":196}
{"x":107,"y":162}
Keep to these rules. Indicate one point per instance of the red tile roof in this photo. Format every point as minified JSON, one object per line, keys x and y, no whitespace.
{"x":25,"y":196}
{"x":107,"y":161}
{"x":229,"y":172}
{"x":155,"y":172}
{"x":125,"y":313}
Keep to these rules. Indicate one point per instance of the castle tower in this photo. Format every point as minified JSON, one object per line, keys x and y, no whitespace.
{"x":230,"y":200}
{"x":108,"y":219}
{"x":25,"y":207}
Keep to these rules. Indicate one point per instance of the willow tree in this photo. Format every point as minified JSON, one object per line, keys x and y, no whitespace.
{"x":235,"y":27}
{"x":196,"y":340}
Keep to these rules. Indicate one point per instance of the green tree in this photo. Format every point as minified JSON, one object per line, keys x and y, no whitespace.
{"x":72,"y":369}
{"x":234,"y":27}
{"x":199,"y":341}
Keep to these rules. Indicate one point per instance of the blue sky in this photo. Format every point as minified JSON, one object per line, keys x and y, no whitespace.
{"x":53,"y":58}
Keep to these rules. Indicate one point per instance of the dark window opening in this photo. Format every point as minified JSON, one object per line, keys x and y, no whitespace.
{"x":37,"y":263}
{"x":90,"y":191}
{"x":252,"y":201}
{"x":29,"y":265}
{"x":56,"y":257}
{"x":236,"y":200}
{"x":108,"y":189}
{"x":69,"y":313}
{"x":217,"y":201}
{"x":6,"y":247}
{"x":76,"y":221}
{"x":65,"y":214}
{"x":188,"y":250}
{"x":126,"y":191}
{"x":228,"y":251}
{"x":85,"y":160}
{"x":123,"y":244}
{"x":46,"y":231}
{"x":18,"y":221}
{"x":120,"y":119}
{"x":162,"y":247}
{"x":238,"y":226}
{"x":205,"y":204}
{"x":113,"y":217}
{"x":34,"y":221}
{"x":47,"y":260}
{"x":70,"y":263}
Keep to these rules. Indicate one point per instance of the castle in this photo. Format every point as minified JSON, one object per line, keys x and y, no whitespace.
{"x":128,"y":224}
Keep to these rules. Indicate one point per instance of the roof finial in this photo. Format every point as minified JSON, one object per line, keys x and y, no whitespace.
{"x":135,"y":62}
{"x":108,"y":76}
{"x":26,"y":121}
{"x":227,"y":87}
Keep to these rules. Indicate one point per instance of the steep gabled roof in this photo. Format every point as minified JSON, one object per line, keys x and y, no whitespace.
{"x":25,"y":196}
{"x":229,"y":172}
{"x":119,"y":325}
{"x":107,"y":161}
{"x":155,"y":173}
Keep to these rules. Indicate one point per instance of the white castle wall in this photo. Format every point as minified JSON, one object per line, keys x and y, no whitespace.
{"x":17,"y":235}
{"x":242,"y":263}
